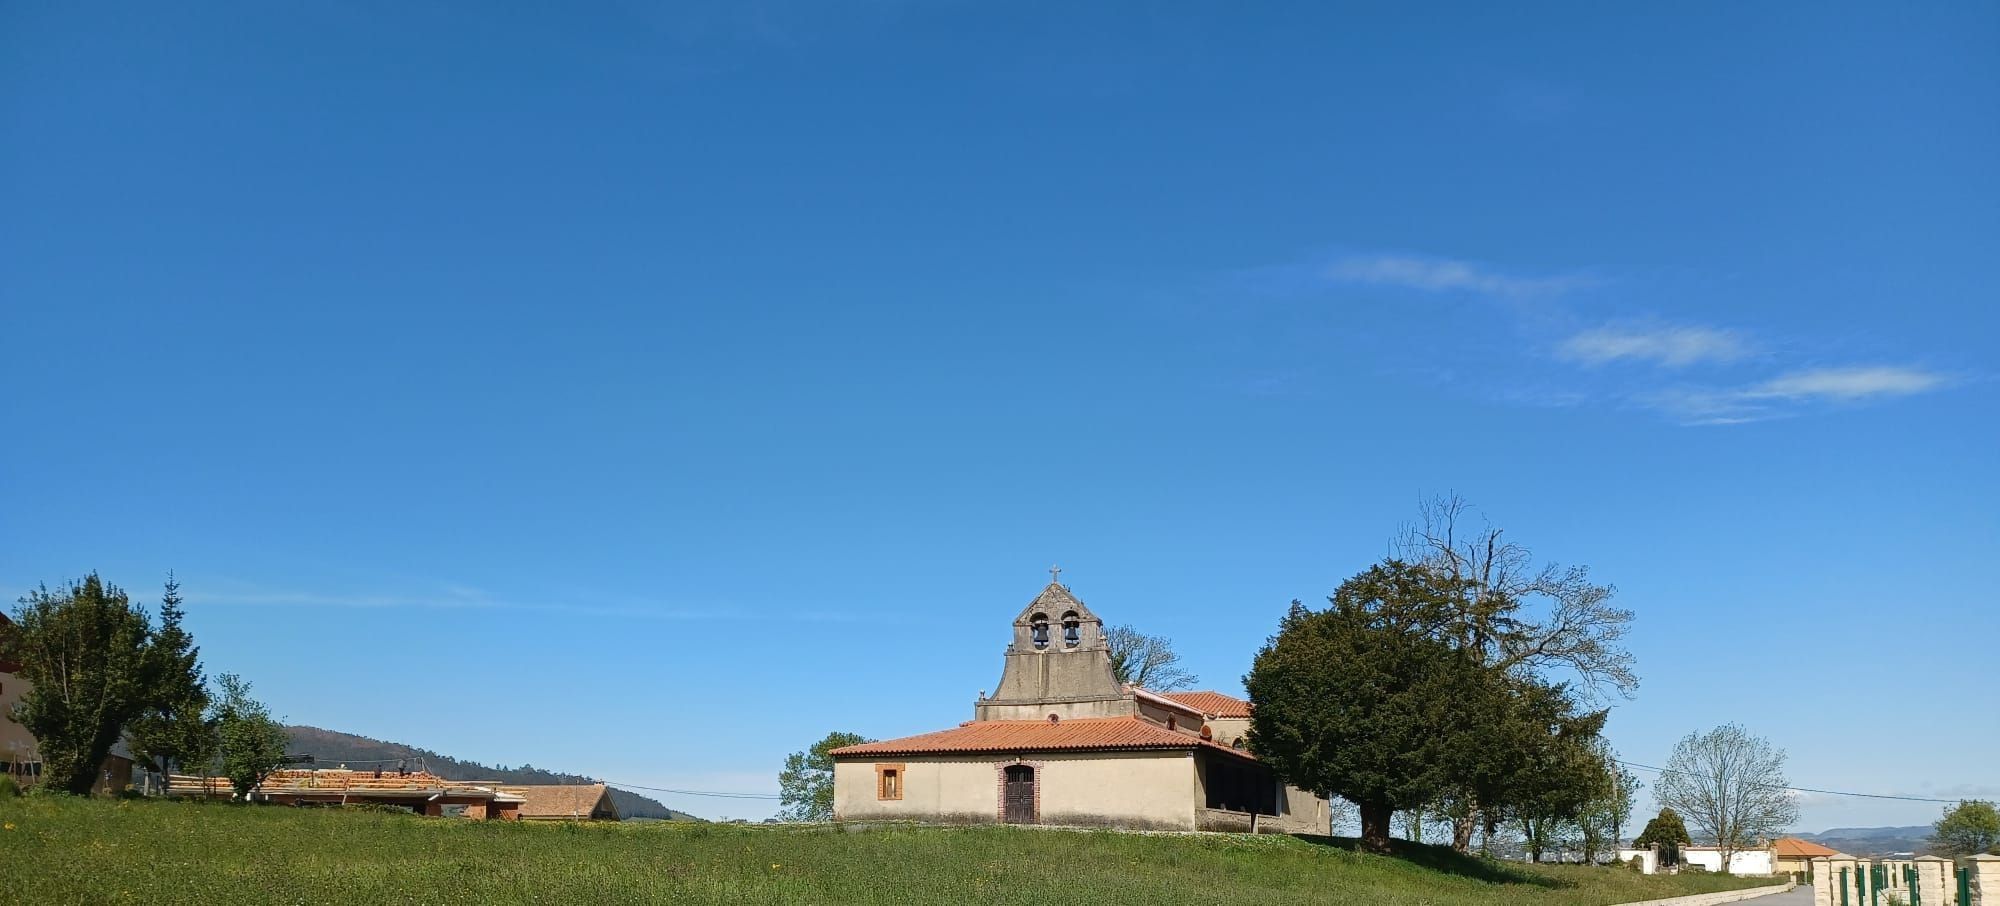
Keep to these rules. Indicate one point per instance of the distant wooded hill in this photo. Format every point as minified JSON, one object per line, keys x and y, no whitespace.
{"x":332,"y":749}
{"x":1874,"y":841}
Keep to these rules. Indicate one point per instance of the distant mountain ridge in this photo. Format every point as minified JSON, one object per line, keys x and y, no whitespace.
{"x":332,"y":748}
{"x":1874,"y":841}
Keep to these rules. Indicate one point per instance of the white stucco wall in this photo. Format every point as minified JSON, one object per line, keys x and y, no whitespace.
{"x":1228,"y":730}
{"x":1305,"y":813}
{"x":1649,"y":859}
{"x":1183,"y":721}
{"x":937,"y":789}
{"x":1130,"y":789}
{"x":1748,"y":862}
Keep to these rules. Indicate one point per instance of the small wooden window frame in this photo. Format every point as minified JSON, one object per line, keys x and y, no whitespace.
{"x":881,"y":778}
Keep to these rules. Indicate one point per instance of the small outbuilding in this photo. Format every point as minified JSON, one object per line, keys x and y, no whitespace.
{"x":420,"y":792}
{"x":565,"y":802}
{"x":1791,"y":855}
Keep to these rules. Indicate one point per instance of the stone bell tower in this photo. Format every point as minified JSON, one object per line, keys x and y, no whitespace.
{"x":1058,"y":663}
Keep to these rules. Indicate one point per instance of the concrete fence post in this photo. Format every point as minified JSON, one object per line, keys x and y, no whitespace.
{"x":1933,"y":884}
{"x":1842,"y":870}
{"x":1823,"y":881}
{"x":1985,"y":879}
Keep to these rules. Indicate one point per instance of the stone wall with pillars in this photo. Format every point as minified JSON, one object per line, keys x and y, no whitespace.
{"x":1823,"y":879}
{"x":1848,"y":876}
{"x":1934,"y":887}
{"x":1985,"y":872}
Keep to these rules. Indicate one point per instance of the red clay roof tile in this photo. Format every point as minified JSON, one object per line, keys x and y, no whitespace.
{"x":1077,"y":734}
{"x":563,"y":801}
{"x":1214,"y":704}
{"x":1795,"y":848}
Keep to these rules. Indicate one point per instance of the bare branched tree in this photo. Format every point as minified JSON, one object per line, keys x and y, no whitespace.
{"x":1731,"y":786}
{"x":1544,"y":619}
{"x":1146,"y":661}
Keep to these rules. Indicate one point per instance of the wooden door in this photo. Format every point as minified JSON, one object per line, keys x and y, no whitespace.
{"x":1020,"y":794}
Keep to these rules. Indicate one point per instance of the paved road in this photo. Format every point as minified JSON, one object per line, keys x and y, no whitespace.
{"x":1797,"y":896}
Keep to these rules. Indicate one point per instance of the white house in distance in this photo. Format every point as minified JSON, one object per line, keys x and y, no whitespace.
{"x":1752,"y":861}
{"x":1061,"y":741}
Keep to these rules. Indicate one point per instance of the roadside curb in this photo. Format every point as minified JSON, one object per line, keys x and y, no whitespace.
{"x":1710,"y":899}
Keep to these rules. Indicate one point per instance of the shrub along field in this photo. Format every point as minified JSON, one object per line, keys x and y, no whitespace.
{"x":62,"y":850}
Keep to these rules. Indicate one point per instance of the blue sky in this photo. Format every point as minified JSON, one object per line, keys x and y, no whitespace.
{"x":647,"y":391}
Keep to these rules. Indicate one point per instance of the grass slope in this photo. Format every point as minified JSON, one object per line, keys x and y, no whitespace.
{"x":61,"y":850}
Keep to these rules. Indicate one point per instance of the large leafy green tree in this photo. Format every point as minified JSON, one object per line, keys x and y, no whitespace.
{"x":1967,"y":829}
{"x":87,"y":651}
{"x":1669,"y":832}
{"x":251,"y":741}
{"x":1602,"y":823}
{"x":1566,"y":766}
{"x":805,"y":786}
{"x":1528,"y":619}
{"x":1536,"y":764}
{"x":174,"y":729}
{"x":1364,"y":701}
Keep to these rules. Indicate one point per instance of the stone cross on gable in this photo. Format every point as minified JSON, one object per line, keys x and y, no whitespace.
{"x":1055,"y":575}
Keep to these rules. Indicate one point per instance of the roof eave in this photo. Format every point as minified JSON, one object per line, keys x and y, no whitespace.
{"x":1007,"y":750}
{"x":1148,"y":695}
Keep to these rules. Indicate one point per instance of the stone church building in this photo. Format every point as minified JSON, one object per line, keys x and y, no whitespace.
{"x":1062,"y":742}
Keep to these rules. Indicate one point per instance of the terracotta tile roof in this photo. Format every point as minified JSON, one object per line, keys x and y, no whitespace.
{"x":304,"y":781}
{"x":589,"y":800}
{"x":344,"y":779}
{"x":1795,"y":848}
{"x":1077,"y":734}
{"x":1214,"y":704}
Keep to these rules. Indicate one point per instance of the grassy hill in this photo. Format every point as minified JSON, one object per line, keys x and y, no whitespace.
{"x":334,"y":748}
{"x":57,"y":849}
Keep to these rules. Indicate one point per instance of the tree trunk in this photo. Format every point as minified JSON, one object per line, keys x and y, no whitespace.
{"x":79,"y":784}
{"x":1375,"y":826}
{"x":1462,"y":827}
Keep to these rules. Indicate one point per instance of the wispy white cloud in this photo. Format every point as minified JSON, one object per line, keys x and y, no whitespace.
{"x":1673,"y":347}
{"x":471,"y":599}
{"x":1789,"y":394}
{"x":1706,"y":406}
{"x":1535,"y":302}
{"x":450,"y":599}
{"x":1848,"y":383}
{"x":1442,"y":275}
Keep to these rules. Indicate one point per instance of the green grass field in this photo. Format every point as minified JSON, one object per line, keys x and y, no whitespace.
{"x":60,"y":850}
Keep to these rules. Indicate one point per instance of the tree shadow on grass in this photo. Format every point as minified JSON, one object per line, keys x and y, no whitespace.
{"x":1445,"y":860}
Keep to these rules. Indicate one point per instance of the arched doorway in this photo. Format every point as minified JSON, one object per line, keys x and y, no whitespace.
{"x":1018,"y":794}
